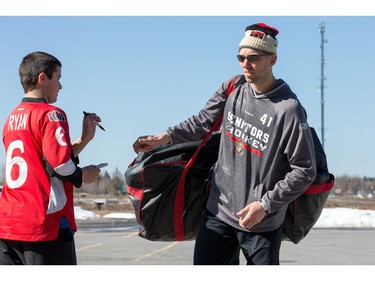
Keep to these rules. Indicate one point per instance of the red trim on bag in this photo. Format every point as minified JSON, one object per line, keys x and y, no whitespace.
{"x":132,"y":163}
{"x":163,"y":165}
{"x":138,"y":193}
{"x":320,"y":188}
{"x":231,"y":86}
{"x":179,"y":204}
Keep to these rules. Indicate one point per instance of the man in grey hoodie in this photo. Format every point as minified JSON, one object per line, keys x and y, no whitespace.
{"x":266,"y":157}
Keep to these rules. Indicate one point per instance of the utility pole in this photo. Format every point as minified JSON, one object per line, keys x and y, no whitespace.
{"x":322,"y":29}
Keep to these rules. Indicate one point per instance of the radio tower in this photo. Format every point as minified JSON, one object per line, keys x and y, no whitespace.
{"x":322,"y":29}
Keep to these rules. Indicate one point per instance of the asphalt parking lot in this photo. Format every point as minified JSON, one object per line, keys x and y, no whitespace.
{"x":114,"y":242}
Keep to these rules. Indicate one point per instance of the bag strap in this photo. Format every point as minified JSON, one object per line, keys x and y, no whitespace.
{"x":180,"y":192}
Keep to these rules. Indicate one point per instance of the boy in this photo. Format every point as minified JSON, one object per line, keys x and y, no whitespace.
{"x":36,"y":205}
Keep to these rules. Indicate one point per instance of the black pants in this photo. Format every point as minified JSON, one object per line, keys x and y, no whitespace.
{"x":60,"y":251}
{"x":219,"y":244}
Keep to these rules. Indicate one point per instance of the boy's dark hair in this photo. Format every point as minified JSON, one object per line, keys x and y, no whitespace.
{"x":32,"y":65}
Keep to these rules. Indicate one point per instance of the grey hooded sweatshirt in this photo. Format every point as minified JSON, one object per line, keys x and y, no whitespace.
{"x":266,"y":151}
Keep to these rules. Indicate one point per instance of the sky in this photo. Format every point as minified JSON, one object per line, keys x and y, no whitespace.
{"x":142,"y":72}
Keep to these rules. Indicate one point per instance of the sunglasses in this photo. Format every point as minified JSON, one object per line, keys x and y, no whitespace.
{"x":250,"y":58}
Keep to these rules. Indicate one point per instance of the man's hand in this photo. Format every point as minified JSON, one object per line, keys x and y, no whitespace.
{"x":251,"y":215}
{"x":147,"y":143}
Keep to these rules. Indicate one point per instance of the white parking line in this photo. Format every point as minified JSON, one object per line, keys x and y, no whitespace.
{"x":89,"y":247}
{"x":157,"y":251}
{"x":130,"y":235}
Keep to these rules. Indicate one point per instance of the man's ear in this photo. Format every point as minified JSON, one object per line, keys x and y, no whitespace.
{"x":273,"y":60}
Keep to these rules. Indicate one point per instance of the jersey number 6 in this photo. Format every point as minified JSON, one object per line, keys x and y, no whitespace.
{"x":14,"y":163}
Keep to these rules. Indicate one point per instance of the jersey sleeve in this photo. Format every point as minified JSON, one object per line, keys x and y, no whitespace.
{"x":56,"y":143}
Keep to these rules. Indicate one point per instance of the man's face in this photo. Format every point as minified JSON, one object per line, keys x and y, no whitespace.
{"x":255,"y":65}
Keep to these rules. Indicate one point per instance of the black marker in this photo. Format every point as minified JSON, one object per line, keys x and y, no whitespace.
{"x":97,"y":124}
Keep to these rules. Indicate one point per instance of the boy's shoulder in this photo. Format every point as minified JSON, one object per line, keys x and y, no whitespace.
{"x":41,"y":109}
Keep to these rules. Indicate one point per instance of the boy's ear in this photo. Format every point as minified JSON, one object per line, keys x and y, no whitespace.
{"x":42,"y":78}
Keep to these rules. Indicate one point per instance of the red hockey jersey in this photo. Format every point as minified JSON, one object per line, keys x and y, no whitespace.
{"x":33,"y":200}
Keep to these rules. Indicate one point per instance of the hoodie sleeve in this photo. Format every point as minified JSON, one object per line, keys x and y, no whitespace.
{"x":299,"y":150}
{"x":197,"y":126}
